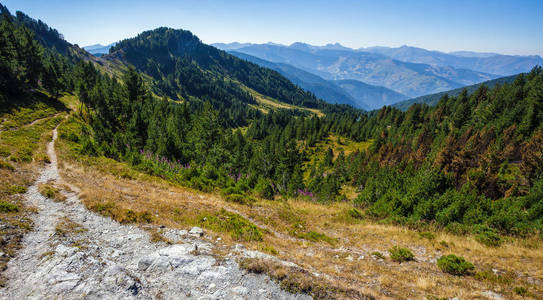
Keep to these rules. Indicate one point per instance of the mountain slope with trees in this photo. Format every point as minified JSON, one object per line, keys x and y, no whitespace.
{"x":433,"y":99}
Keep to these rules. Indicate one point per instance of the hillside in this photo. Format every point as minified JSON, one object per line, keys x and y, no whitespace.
{"x":169,"y":168}
{"x":322,"y":88}
{"x":376,"y":96}
{"x":182,"y":67}
{"x":338,"y":63}
{"x":433,"y":99}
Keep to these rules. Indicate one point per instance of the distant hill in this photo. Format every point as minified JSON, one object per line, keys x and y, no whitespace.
{"x":98,"y":49}
{"x":336,"y":62}
{"x":433,"y":99}
{"x":492,"y":63}
{"x":322,"y":88}
{"x":375,"y":96}
{"x":181,"y":67}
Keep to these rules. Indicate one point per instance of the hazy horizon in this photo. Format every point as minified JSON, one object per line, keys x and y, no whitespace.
{"x":499,"y":27}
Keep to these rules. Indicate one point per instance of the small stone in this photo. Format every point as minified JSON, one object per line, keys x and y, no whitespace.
{"x":240,"y":290}
{"x":493,"y":295}
{"x":196,"y":231}
{"x":349,"y":258}
{"x":147,"y":261}
{"x":361,"y":257}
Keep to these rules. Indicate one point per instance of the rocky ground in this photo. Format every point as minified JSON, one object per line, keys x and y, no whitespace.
{"x":74,"y":253}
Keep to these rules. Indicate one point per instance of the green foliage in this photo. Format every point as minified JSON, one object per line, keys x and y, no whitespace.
{"x":6,"y":165}
{"x":8,"y":207}
{"x":400,"y":254}
{"x":455,"y":265}
{"x":488,"y":236}
{"x":427,"y":235}
{"x":16,"y":189}
{"x":238,"y":227}
{"x":355,"y":214}
{"x":472,"y":160}
{"x":521,"y":291}
{"x":317,"y":236}
{"x":264,"y":189}
{"x":378,"y":254}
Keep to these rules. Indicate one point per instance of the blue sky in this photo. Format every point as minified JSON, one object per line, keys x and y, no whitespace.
{"x":509,"y":27}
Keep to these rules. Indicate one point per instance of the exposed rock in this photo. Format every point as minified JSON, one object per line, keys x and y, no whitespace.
{"x":196,"y":231}
{"x":493,"y":295}
{"x":114,"y":261}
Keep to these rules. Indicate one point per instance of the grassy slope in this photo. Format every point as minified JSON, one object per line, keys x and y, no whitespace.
{"x":24,"y":132}
{"x":324,"y":239}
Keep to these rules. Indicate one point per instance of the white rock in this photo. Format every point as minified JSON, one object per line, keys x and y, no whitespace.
{"x":493,"y":295}
{"x":196,"y":231}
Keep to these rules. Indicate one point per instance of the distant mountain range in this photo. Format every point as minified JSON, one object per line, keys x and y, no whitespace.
{"x":433,"y":99}
{"x":408,"y":71}
{"x":492,"y":63}
{"x":352,"y":92}
{"x":98,"y":49}
{"x":335,"y":62}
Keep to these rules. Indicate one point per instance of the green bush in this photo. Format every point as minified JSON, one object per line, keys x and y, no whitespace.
{"x":521,"y":291}
{"x":378,"y":254}
{"x":4,"y":152}
{"x":427,"y":235}
{"x":238,"y":227}
{"x":317,"y":236}
{"x":400,"y":254}
{"x":238,"y":198}
{"x":8,"y":207}
{"x":355,"y":214}
{"x":16,"y":189}
{"x":6,"y":165}
{"x":488,"y":236}
{"x":264,"y":189}
{"x":455,"y":265}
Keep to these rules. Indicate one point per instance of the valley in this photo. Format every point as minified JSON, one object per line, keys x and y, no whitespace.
{"x":167,"y":168}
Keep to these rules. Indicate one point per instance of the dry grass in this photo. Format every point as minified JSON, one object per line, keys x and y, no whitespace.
{"x":346,"y":263}
{"x":298,"y":280}
{"x":49,"y":190}
{"x":266,"y":104}
{"x":24,"y":132}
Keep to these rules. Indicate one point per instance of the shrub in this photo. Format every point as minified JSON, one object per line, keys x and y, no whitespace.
{"x":488,"y":236}
{"x":105,"y":209}
{"x":238,"y":227}
{"x":42,"y":157}
{"x":378,"y":254}
{"x":444,"y":244}
{"x":16,"y":189}
{"x":4,"y":152}
{"x":489,"y":275}
{"x":8,"y":207}
{"x":427,"y":235}
{"x":317,"y":236}
{"x":51,"y":192}
{"x":238,"y":198}
{"x":455,"y":265}
{"x":400,"y":254}
{"x":355,"y":214}
{"x":264,"y":189}
{"x":6,"y":165}
{"x":521,"y":291}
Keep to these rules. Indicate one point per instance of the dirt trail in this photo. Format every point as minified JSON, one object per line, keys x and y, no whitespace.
{"x":74,"y":253}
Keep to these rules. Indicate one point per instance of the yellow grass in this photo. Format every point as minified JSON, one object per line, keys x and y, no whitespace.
{"x":347,"y":263}
{"x":266,"y":104}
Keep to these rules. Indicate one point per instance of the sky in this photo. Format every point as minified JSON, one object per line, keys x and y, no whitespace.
{"x":507,"y":27}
